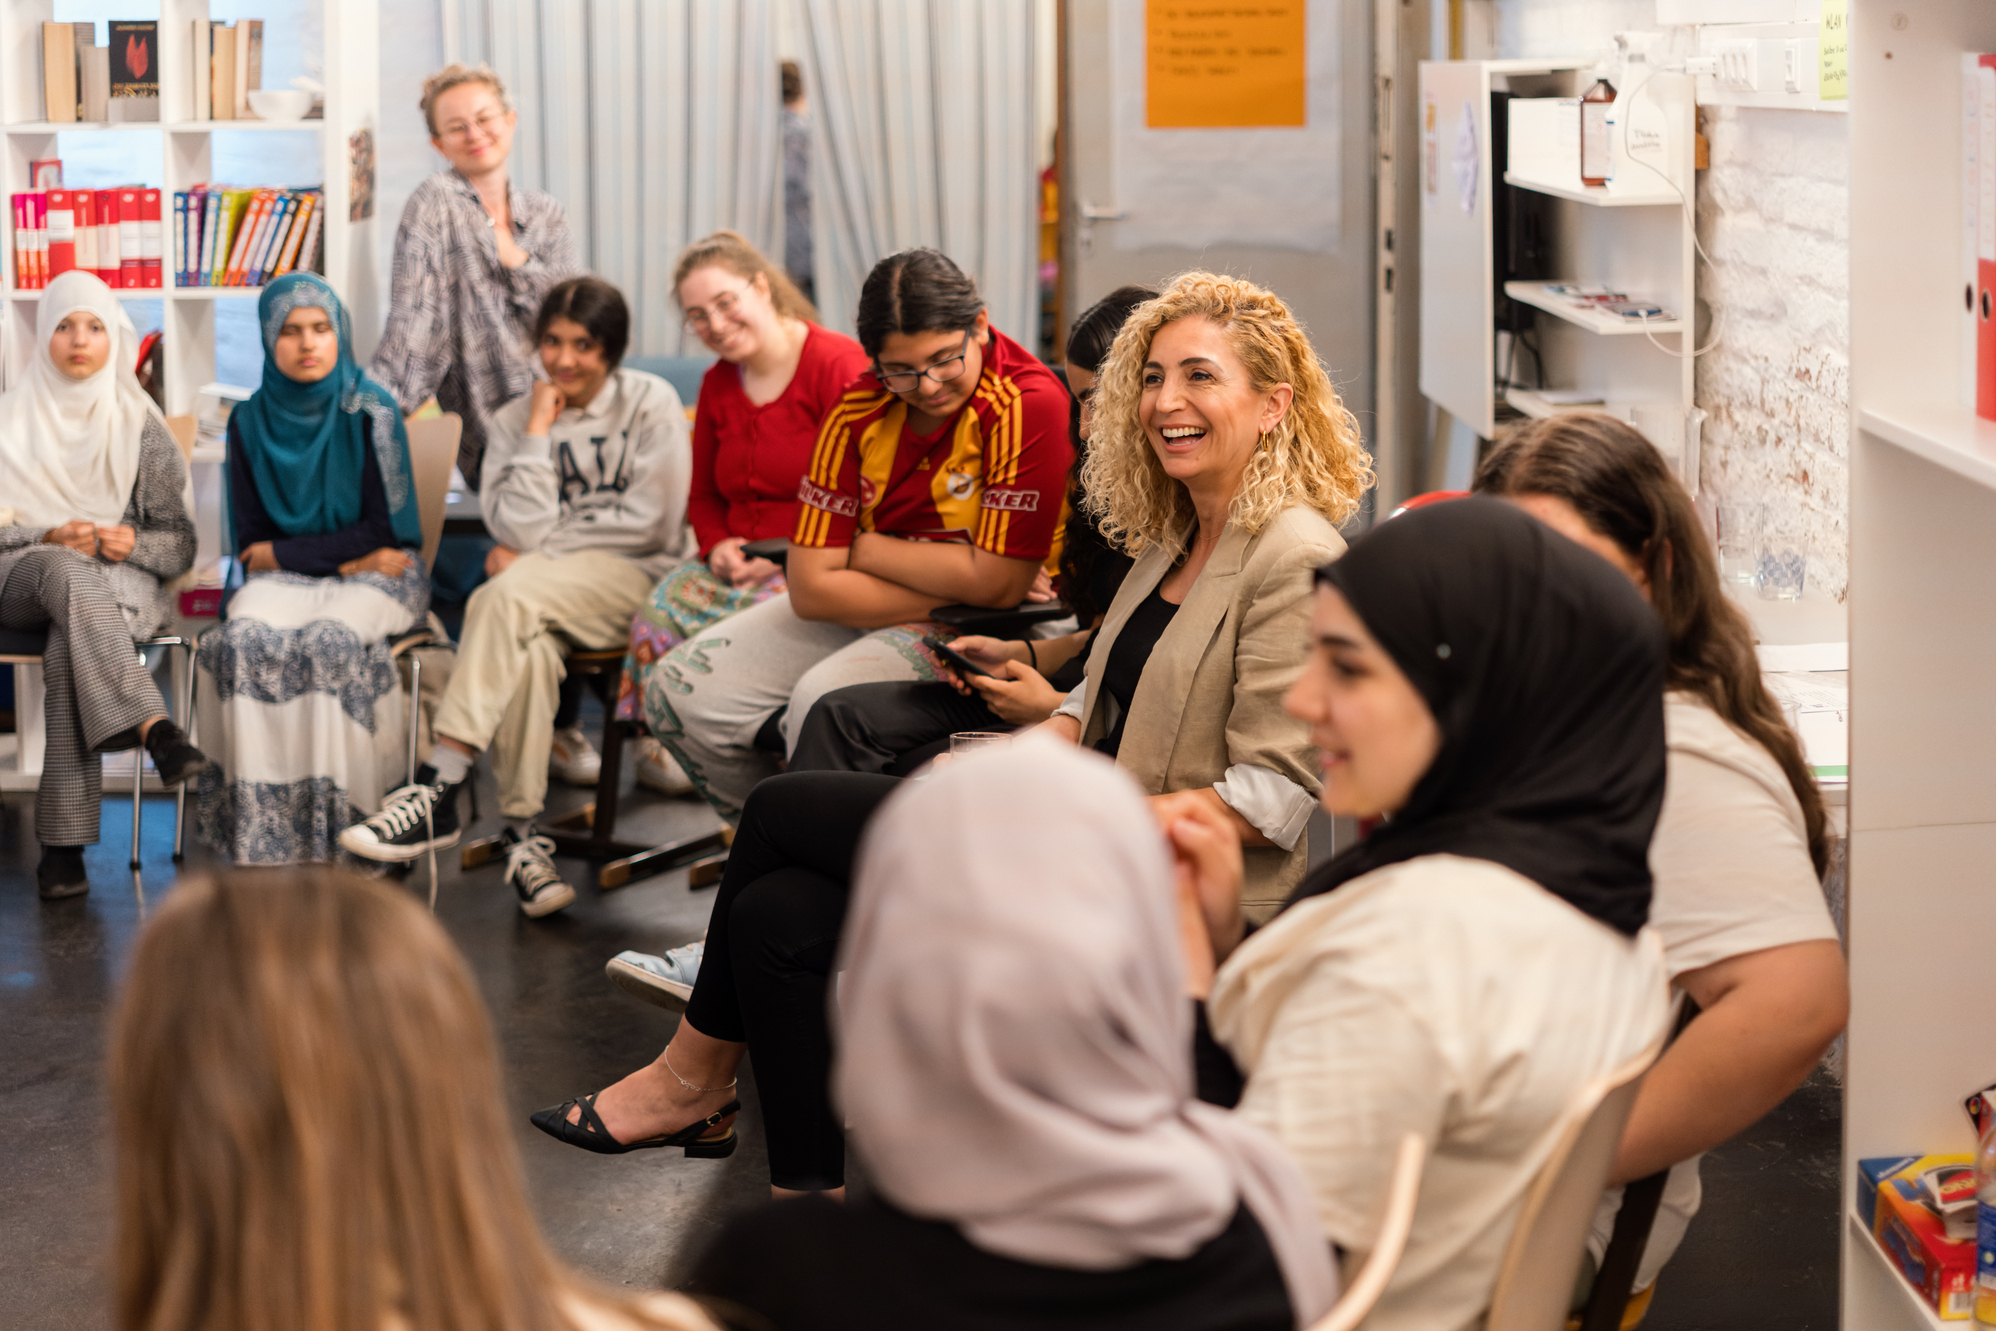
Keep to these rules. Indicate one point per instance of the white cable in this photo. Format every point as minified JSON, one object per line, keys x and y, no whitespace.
{"x":1690,"y":220}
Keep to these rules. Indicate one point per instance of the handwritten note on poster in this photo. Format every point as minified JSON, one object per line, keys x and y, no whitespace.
{"x":1224,"y":64}
{"x":1833,"y":74}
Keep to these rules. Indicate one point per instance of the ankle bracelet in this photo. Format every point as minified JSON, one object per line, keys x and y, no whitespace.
{"x":704,"y":1090}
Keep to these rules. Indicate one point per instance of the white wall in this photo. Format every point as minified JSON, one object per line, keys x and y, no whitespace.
{"x":1772,"y":214}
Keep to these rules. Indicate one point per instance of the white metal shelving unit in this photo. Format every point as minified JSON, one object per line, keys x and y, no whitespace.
{"x":1923,"y":628}
{"x":1636,"y":237}
{"x":185,"y":159}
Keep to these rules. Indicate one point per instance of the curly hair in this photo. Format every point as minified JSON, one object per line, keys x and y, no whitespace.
{"x":1312,"y":456}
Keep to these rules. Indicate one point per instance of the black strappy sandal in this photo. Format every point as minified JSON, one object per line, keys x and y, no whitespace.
{"x":591,"y":1135}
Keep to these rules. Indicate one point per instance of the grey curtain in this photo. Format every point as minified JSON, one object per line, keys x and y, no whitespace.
{"x":922,"y":134}
{"x":653,"y":122}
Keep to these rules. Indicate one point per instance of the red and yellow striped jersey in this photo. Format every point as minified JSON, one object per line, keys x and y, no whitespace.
{"x":994,"y":476}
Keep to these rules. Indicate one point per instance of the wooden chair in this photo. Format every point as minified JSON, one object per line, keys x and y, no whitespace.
{"x":1365,"y":1285}
{"x":1534,"y":1288}
{"x":432,"y":453}
{"x":25,"y":647}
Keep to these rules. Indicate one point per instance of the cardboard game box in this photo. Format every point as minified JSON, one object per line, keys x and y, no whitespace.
{"x":1904,"y":1199}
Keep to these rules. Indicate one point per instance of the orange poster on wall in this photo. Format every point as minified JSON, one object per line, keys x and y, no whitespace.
{"x":1224,"y":64}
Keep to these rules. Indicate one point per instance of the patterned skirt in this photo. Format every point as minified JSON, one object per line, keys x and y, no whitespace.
{"x":301,"y":708}
{"x":688,"y":600}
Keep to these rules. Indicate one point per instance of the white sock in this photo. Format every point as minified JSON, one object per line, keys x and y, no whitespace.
{"x":452,"y":765}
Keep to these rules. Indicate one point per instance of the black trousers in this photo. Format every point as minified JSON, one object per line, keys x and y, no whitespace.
{"x":771,"y":944}
{"x":892,"y":728}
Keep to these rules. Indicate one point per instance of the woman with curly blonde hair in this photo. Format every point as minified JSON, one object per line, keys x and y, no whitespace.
{"x":1222,"y":460}
{"x":1310,"y":455}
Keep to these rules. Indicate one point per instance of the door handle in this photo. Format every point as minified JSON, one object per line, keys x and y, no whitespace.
{"x":1095,"y":212}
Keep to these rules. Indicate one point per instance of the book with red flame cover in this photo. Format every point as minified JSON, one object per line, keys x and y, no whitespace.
{"x":135,"y":59}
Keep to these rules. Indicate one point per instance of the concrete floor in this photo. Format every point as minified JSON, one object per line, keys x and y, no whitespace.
{"x":1762,"y":1255}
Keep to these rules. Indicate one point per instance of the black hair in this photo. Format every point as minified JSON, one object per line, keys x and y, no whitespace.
{"x":792,"y":79}
{"x":597,"y":306}
{"x":915,"y":291}
{"x":1088,"y":342}
{"x":1087,"y":562}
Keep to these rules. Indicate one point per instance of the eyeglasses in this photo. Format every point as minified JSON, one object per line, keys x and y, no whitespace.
{"x":907,"y":381}
{"x":461,"y":131}
{"x":724,"y":307}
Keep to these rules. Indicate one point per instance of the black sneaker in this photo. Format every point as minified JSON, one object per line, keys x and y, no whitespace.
{"x":534,"y":879}
{"x":60,"y":874}
{"x":172,"y":756}
{"x":413,"y":821}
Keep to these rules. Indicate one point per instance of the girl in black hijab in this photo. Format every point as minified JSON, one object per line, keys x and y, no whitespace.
{"x":1492,"y":691}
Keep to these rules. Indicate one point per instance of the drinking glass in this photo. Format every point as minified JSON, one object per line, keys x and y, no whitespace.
{"x":1740,"y":524}
{"x":1783,"y":564}
{"x":969,"y":741}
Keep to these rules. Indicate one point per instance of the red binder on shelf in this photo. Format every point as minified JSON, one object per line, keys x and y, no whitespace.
{"x":24,"y":245}
{"x":62,"y":232}
{"x":129,"y":244}
{"x":152,"y":240}
{"x":1985,"y":256}
{"x":85,"y":203}
{"x":107,"y":237}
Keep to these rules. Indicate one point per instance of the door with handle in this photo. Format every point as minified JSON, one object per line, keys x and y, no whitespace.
{"x":1110,"y":241}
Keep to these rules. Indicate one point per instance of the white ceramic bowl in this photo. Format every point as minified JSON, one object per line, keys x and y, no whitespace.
{"x":280,"y":103}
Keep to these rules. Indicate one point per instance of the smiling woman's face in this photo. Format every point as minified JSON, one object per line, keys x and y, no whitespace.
{"x":1200,"y":409}
{"x":1374,"y":733}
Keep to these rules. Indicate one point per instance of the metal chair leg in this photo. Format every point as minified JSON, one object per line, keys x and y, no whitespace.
{"x":186,"y":724}
{"x":415,"y":692}
{"x":138,"y":784}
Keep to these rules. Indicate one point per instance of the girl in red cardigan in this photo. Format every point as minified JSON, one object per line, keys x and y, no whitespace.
{"x":758,"y":415}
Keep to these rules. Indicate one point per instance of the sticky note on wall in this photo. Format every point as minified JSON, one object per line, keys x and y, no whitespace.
{"x":1216,"y":65}
{"x":1833,"y":48}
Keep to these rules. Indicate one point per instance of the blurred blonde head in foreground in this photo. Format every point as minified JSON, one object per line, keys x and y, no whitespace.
{"x":311,"y":1131}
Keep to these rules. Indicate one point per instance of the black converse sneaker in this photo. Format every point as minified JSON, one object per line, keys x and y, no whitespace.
{"x":531,"y":872}
{"x":413,"y":821}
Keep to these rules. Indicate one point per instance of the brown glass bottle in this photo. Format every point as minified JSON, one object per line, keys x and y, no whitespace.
{"x":1595,"y":159}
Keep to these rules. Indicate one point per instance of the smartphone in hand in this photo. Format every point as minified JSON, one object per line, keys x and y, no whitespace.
{"x":957,"y":661}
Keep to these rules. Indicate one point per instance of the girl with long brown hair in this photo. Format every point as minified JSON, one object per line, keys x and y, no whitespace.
{"x":311,"y":1132}
{"x":778,"y":375}
{"x":1740,"y":845}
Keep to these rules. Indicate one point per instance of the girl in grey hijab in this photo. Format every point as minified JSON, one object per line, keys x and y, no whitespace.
{"x":1014,"y":1067}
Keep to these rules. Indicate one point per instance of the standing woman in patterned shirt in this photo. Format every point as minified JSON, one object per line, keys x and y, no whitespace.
{"x":474,"y":258}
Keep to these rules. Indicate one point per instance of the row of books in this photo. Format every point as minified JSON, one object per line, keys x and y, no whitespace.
{"x":226,"y":237}
{"x":114,"y":233}
{"x":120,"y":82}
{"x":84,"y":81}
{"x":228,"y":67}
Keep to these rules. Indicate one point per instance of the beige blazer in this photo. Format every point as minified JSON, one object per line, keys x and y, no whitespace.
{"x":1210,"y":695}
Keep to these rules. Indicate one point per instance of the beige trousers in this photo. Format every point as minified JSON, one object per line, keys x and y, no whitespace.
{"x":518,"y":628}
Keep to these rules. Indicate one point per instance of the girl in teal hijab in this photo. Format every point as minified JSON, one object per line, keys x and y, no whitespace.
{"x":306,"y":443}
{"x":299,"y":687}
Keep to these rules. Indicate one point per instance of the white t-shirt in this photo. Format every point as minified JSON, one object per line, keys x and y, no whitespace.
{"x":1445,"y":996}
{"x":1733,"y":875}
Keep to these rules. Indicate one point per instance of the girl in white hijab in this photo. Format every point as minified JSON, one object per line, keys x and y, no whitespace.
{"x":96,"y":522}
{"x":1015,"y":1070}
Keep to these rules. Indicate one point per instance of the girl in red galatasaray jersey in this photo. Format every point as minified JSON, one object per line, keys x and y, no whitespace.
{"x":938,"y":478}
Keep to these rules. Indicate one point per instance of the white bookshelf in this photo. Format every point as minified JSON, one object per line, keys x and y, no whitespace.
{"x":185,"y":157}
{"x":1923,"y":629}
{"x":1636,"y":236}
